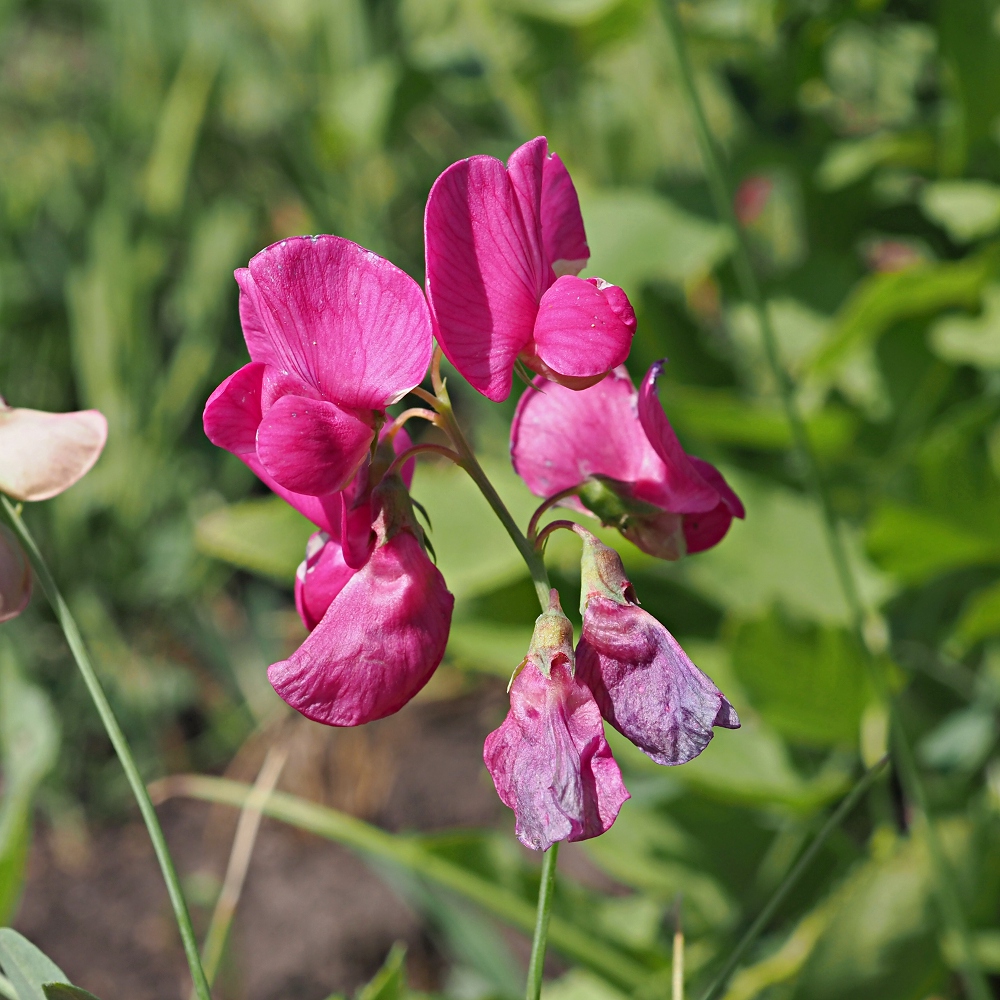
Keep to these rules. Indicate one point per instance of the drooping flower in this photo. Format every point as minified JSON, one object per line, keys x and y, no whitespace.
{"x":549,"y":759}
{"x":618,"y":447}
{"x":15,"y":576}
{"x":504,"y":247}
{"x":383,"y":632}
{"x":335,"y":334}
{"x":645,"y":684}
{"x":42,"y":454}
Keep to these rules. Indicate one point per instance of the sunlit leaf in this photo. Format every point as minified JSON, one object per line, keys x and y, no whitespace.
{"x":966,"y":209}
{"x":26,"y":966}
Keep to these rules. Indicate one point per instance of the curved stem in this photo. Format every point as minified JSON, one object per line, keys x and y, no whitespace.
{"x":438,"y":449}
{"x":120,"y":743}
{"x":546,"y":891}
{"x":427,"y":397}
{"x":550,"y":527}
{"x":547,"y":505}
{"x":951,"y":907}
{"x":414,"y":411}
{"x":436,"y":379}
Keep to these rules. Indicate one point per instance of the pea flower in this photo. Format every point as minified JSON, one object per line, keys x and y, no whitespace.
{"x":504,"y":246}
{"x":616,"y":446}
{"x":643,"y":681}
{"x":335,"y":335}
{"x":549,"y":759}
{"x":15,"y":576}
{"x":383,"y":632}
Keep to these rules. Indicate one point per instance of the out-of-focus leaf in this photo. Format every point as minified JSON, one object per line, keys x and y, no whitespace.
{"x":914,"y":544}
{"x":575,"y":13}
{"x":848,"y":161}
{"x":487,"y":647}
{"x":389,"y":982}
{"x":25,"y":966}
{"x":966,"y":209}
{"x":265,"y":536}
{"x":64,"y":991}
{"x":808,"y":681}
{"x":980,"y":619}
{"x":579,"y":985}
{"x":971,"y":340}
{"x":639,"y":236}
{"x":986,"y":945}
{"x":961,"y":741}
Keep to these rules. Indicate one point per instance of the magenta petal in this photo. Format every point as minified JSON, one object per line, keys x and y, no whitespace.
{"x":338,"y":317}
{"x":312,"y":446}
{"x":645,"y":684}
{"x":702,"y":531}
{"x":684,"y":490}
{"x":485,"y":271}
{"x":321,"y":576}
{"x":232,"y":413}
{"x":579,"y":332}
{"x":378,"y":643}
{"x":560,"y":437}
{"x":562,"y":223}
{"x":15,"y":576}
{"x":551,"y":763}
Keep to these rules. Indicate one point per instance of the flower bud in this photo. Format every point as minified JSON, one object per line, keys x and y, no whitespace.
{"x":549,"y":759}
{"x":643,"y":681}
{"x":15,"y":576}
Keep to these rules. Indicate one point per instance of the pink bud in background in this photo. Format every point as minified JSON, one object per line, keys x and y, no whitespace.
{"x":549,"y":759}
{"x":646,"y":686}
{"x":504,"y":246}
{"x":383,"y":632}
{"x":15,"y":576}
{"x":42,"y":454}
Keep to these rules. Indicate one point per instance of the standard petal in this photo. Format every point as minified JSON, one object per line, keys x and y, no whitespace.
{"x":682,"y":488}
{"x":581,"y":332}
{"x":321,"y":576}
{"x":15,"y":576}
{"x":702,"y":531}
{"x":563,"y":234}
{"x":233,"y":412}
{"x":378,"y":643}
{"x":551,"y":763}
{"x":312,"y":446}
{"x":42,"y":454}
{"x":646,"y":686}
{"x":337,"y":316}
{"x":485,"y":271}
{"x":560,"y":437}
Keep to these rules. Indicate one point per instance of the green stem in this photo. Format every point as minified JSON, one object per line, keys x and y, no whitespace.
{"x":546,"y":890}
{"x":972,"y":976}
{"x":764,"y":917}
{"x":118,"y":741}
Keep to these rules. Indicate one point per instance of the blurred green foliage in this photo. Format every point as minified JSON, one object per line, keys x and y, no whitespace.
{"x":149,"y":148}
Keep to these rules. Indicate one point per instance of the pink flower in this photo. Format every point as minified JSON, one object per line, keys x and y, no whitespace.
{"x":384,"y":629}
{"x":549,"y":759}
{"x":335,"y":334}
{"x":619,"y":448}
{"x":15,"y":576}
{"x":504,"y":246}
{"x":646,"y":686}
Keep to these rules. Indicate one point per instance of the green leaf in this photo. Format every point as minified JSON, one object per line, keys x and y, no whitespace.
{"x":25,"y":966}
{"x":579,"y":985}
{"x":966,"y":209}
{"x":962,"y":740}
{"x":64,"y":991}
{"x":389,"y":983}
{"x":264,"y":536}
{"x":808,"y":681}
{"x":980,"y":619}
{"x":971,"y":340}
{"x":851,"y":159}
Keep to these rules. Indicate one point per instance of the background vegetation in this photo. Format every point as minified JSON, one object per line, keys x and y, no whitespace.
{"x":149,"y":148}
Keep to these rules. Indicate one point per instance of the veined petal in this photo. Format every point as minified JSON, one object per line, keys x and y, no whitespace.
{"x":233,"y":412}
{"x":560,"y":437}
{"x":312,"y":446}
{"x":563,"y":234}
{"x":581,"y":330}
{"x":702,"y":531}
{"x":321,"y":576}
{"x":42,"y":454}
{"x":683,"y":489}
{"x":485,"y":270}
{"x":337,"y":316}
{"x":380,"y":640}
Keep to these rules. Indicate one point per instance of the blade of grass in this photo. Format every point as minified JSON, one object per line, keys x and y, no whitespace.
{"x":120,"y":743}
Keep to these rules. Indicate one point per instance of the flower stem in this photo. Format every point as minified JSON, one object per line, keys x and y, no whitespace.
{"x":418,"y":449}
{"x":546,"y":891}
{"x":975,"y":983}
{"x":119,"y":742}
{"x":548,"y":505}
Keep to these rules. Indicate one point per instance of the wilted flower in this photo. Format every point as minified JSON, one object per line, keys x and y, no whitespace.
{"x":384,"y":630}
{"x":504,"y":246}
{"x":549,"y":759}
{"x":42,"y":454}
{"x":618,"y":447}
{"x":335,"y":334}
{"x":15,"y":576}
{"x":643,"y":681}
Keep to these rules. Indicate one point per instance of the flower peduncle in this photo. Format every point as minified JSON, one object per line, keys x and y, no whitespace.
{"x":403,"y":457}
{"x":415,"y":411}
{"x":547,"y":505}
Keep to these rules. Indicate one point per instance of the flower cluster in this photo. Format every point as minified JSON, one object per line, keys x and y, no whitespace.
{"x":335,"y":335}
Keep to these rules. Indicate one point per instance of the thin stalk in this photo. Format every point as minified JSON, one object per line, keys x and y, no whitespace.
{"x":951,"y":907}
{"x":677,"y":968}
{"x":418,"y":449}
{"x":547,"y":505}
{"x":118,"y":741}
{"x":546,"y":891}
{"x":788,"y":883}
